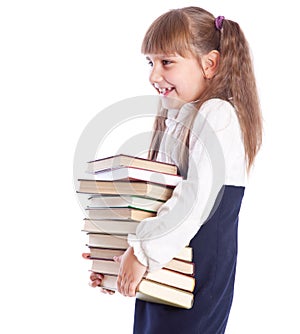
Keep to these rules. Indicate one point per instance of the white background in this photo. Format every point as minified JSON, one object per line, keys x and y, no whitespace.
{"x":62,"y":62}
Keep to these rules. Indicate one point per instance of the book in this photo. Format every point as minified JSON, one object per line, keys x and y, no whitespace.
{"x":163,"y":294}
{"x":118,"y":213}
{"x":123,"y":190}
{"x":120,"y":160}
{"x":124,"y":201}
{"x":133,"y":173}
{"x":107,"y":241}
{"x":104,"y":253}
{"x":186,"y":254}
{"x":136,"y":188}
{"x":180,"y":266}
{"x":155,"y":292}
{"x":175,"y":264}
{"x":110,"y":226}
{"x":112,"y":243}
{"x":164,"y":276}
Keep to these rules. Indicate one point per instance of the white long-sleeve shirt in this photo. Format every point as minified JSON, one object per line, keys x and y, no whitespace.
{"x":216,"y":158}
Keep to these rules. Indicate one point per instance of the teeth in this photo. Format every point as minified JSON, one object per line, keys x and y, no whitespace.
{"x":164,"y":90}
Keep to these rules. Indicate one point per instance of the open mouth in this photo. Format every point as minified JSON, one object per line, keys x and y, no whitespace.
{"x":164,"y":91}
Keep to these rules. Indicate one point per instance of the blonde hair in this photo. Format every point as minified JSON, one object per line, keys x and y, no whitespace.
{"x":192,"y":30}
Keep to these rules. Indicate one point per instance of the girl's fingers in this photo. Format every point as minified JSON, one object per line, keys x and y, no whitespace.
{"x":106,"y":291}
{"x":127,"y":288}
{"x":117,"y":259}
{"x":95,"y":283}
{"x":86,"y":256}
{"x":95,"y":279}
{"x":94,"y":276}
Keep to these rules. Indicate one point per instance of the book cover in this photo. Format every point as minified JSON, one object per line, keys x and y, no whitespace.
{"x":136,"y":188}
{"x":120,"y":160}
{"x":119,"y":213}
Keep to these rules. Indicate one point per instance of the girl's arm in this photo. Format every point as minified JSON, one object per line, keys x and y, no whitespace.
{"x":216,"y":158}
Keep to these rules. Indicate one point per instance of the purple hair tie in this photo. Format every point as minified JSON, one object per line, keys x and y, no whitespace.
{"x":219,"y":22}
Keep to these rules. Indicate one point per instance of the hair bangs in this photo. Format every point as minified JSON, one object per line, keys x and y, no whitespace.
{"x":169,"y":34}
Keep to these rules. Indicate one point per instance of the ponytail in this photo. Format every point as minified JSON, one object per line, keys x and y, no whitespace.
{"x":236,"y":77}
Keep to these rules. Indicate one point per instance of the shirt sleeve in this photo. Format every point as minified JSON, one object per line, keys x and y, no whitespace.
{"x":215,"y":145}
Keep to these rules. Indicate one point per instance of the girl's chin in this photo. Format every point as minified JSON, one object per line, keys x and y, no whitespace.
{"x":171,"y":103}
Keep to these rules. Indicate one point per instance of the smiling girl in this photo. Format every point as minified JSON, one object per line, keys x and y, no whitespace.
{"x":209,"y":125}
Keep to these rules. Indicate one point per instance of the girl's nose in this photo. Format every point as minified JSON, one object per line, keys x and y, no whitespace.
{"x":155,"y":75}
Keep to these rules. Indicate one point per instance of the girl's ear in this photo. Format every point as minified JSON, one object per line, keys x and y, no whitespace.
{"x":210,"y":63}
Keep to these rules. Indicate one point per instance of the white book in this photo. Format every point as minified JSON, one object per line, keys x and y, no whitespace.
{"x":132,"y":173}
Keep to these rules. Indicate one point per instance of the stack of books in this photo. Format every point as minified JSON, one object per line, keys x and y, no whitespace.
{"x":121,"y":191}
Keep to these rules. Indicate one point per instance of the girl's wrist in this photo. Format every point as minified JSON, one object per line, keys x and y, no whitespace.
{"x":138,"y":251}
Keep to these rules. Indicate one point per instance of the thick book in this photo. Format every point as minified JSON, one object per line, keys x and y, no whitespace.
{"x":155,"y":292}
{"x":101,"y":244}
{"x":135,"y":188}
{"x":124,"y":201}
{"x":130,"y":161}
{"x":119,"y":213}
{"x":110,"y":226}
{"x":163,"y":276}
{"x":133,"y":173}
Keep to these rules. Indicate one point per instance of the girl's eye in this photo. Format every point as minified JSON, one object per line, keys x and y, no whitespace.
{"x":166,"y":62}
{"x":150,"y":63}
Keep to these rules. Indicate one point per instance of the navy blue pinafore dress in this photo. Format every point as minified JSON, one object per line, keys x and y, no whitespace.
{"x":215,"y":256}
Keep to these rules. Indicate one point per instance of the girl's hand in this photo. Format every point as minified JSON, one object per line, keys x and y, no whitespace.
{"x":130,"y":274}
{"x":96,"y":278}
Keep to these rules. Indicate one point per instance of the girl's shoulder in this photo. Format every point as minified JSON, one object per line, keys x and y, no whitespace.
{"x":217,"y":124}
{"x":216,"y":103}
{"x":216,"y":106}
{"x":220,"y":114}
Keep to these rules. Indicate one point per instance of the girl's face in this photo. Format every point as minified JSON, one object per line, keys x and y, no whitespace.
{"x":177,"y":77}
